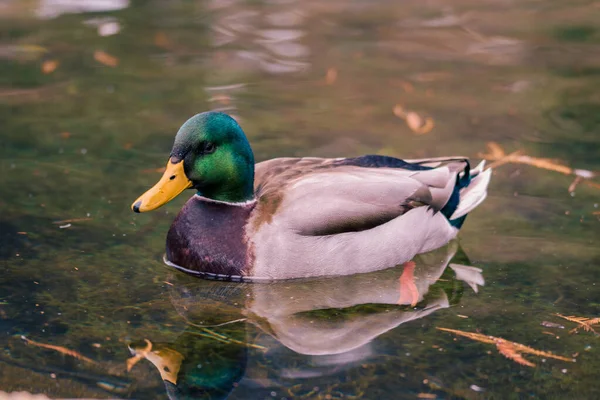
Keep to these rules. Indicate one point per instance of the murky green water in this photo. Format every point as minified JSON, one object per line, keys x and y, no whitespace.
{"x":88,"y":117}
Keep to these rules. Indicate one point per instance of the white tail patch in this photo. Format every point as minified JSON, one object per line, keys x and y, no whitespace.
{"x":474,"y":194}
{"x":478,"y":169}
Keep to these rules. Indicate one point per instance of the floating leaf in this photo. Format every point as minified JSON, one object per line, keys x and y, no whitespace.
{"x":49,"y":66}
{"x":399,"y":112}
{"x":418,"y":124}
{"x":331,"y":76}
{"x":105,"y":58}
{"x":414,"y":121}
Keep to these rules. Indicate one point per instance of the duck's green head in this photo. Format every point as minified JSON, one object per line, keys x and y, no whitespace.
{"x":212,"y":155}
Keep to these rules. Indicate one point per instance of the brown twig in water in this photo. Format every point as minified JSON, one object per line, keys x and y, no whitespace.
{"x":60,"y":349}
{"x":508,"y":349}
{"x":574,"y":184}
{"x":584,"y":322}
{"x":499,"y":157}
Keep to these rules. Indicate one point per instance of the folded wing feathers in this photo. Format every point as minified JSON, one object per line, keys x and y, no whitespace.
{"x":439,"y":182}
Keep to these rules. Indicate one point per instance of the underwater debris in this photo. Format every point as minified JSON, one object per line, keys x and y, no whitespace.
{"x":549,"y":324}
{"x":508,"y":349}
{"x":60,"y":349}
{"x":584,"y":322}
{"x":499,"y":157}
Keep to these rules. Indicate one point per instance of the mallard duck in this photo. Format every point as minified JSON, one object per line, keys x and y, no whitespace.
{"x":304,"y":217}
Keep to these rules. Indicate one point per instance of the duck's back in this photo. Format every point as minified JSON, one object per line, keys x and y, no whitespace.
{"x":342,"y":216}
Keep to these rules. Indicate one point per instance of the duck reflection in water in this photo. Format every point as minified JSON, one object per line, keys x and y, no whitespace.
{"x":306,"y":328}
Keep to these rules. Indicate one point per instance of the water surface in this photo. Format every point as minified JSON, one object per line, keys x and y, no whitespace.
{"x":90,"y":100}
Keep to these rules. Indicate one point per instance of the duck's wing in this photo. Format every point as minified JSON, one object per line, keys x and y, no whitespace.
{"x":315,"y":196}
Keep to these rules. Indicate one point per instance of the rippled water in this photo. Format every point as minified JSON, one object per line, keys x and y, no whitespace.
{"x":91,"y":95}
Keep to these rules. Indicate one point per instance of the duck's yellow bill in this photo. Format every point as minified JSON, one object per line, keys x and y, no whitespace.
{"x":170,"y":185}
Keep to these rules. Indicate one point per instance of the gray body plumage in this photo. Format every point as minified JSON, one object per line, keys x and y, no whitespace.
{"x":319,"y":217}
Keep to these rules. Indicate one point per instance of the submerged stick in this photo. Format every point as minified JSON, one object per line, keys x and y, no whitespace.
{"x":508,"y":349}
{"x":499,"y":157}
{"x":584,"y":322}
{"x":60,"y":349}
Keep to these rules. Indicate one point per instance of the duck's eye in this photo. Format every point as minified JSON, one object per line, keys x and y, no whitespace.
{"x":208,"y":148}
